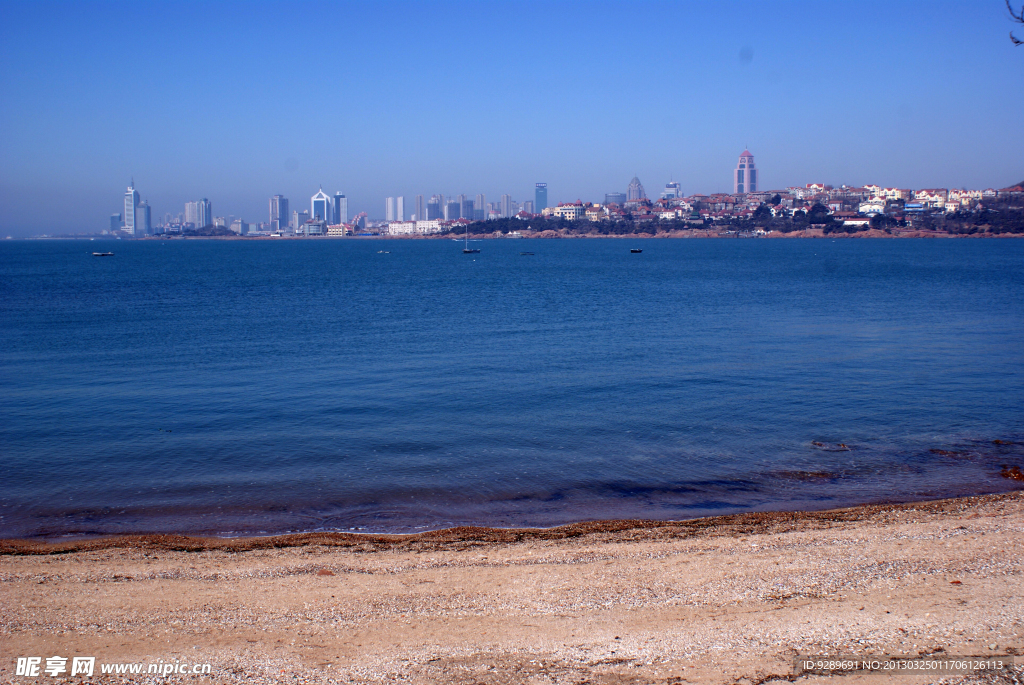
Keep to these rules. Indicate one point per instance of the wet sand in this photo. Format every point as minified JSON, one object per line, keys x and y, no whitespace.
{"x":718,"y":600}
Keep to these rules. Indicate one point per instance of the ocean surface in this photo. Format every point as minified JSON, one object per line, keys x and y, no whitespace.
{"x":258,"y":387}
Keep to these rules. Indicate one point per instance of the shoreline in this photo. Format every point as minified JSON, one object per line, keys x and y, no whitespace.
{"x":746,"y":523}
{"x":722,"y":600}
{"x":479,"y":533}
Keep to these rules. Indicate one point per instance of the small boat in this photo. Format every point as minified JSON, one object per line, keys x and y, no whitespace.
{"x":530,"y":254}
{"x":468,"y":249}
{"x":102,"y":254}
{"x":383,"y":251}
{"x":635,"y":251}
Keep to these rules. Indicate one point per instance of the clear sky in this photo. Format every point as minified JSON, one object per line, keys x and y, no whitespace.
{"x":238,"y":101}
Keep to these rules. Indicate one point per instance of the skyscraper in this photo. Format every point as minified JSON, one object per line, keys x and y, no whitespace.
{"x":744,"y":177}
{"x":204,"y":213}
{"x":420,"y":216}
{"x":115,"y":222}
{"x":131,"y":201}
{"x":434,"y":208}
{"x":615,"y":198}
{"x":480,"y":208}
{"x":528,"y":207}
{"x":451,"y":210}
{"x":540,"y":196}
{"x":635,"y":191}
{"x":389,"y":209}
{"x":400,"y":208}
{"x":506,"y":206}
{"x":340,"y":209}
{"x":672,"y":191}
{"x":465,"y":208}
{"x":320,"y":206}
{"x":143,"y":224}
{"x":199,"y":213}
{"x":278,"y":212}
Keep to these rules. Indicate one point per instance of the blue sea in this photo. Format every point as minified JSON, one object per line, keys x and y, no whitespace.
{"x":259,"y":387}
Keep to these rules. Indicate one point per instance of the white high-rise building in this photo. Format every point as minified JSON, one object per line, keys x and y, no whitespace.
{"x":204,"y":211}
{"x":199,"y":213}
{"x":506,"y":206}
{"x":131,"y":201}
{"x":400,"y":208}
{"x":340,"y":208}
{"x":320,"y":206}
{"x":389,"y":209}
{"x":744,"y":176}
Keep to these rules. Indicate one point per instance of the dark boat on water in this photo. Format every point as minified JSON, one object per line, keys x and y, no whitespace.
{"x":636,"y":251}
{"x":526,"y":253}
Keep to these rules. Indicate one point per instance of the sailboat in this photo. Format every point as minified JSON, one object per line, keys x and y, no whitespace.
{"x":466,"y":249}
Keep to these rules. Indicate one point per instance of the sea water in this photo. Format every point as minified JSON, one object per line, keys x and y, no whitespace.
{"x":257,"y":387}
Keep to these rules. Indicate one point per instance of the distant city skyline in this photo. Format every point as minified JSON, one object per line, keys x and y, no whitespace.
{"x":856,"y":207}
{"x":939,"y":107}
{"x":326,"y":210}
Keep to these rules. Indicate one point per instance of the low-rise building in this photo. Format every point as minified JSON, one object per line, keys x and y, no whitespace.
{"x":897,"y":194}
{"x":312,"y":227}
{"x":934,"y":198}
{"x":871,"y":207}
{"x":570,"y":211}
{"x":429,"y":226}
{"x":401,"y":228}
{"x":964,"y":196}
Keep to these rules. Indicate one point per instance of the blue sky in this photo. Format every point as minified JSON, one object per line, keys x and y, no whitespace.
{"x":239,"y":101}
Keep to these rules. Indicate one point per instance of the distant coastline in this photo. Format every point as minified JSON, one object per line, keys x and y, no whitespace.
{"x":565,"y":234}
{"x":569,"y":234}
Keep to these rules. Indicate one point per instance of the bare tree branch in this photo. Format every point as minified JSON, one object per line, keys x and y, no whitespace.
{"x":1018,"y":18}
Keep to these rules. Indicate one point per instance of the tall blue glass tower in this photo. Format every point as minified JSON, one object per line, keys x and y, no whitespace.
{"x":540,"y":197}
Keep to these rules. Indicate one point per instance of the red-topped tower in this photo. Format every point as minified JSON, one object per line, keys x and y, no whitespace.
{"x":744,"y":178}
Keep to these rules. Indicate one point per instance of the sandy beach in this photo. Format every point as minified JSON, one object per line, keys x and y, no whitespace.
{"x":721,"y":600}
